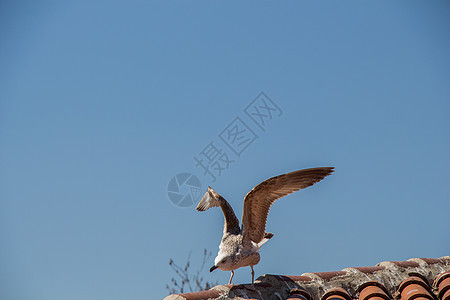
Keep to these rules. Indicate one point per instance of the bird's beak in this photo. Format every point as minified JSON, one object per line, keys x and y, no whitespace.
{"x":213,"y":268}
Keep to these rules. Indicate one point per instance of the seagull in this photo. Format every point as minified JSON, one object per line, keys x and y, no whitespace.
{"x":240,"y":246}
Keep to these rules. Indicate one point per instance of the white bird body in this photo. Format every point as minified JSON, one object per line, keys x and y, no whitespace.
{"x":239,"y":247}
{"x":234,"y":253}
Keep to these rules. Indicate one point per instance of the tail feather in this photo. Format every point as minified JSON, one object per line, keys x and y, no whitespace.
{"x":267,"y":236}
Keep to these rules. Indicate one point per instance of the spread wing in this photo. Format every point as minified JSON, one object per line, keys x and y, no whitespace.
{"x":212,"y":199}
{"x":258,"y":201}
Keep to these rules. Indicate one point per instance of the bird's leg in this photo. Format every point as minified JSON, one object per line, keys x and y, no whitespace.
{"x":253,"y":274}
{"x":232,"y":274}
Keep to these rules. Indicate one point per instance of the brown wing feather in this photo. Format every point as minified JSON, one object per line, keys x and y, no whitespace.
{"x":212,"y":199}
{"x":258,"y":201}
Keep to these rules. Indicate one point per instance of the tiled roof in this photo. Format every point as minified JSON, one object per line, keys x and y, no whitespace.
{"x":416,"y":278}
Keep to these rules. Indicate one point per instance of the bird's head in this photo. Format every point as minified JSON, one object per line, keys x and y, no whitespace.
{"x":225,"y":263}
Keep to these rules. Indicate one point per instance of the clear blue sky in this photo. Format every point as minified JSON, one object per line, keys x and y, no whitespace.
{"x":102,"y":102}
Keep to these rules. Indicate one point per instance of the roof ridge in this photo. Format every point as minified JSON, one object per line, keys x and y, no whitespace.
{"x":384,"y":278}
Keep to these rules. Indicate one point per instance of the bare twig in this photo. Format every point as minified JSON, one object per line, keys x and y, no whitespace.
{"x":186,"y":281}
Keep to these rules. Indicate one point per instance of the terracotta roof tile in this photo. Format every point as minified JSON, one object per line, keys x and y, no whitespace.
{"x":337,"y":293}
{"x":299,"y":294}
{"x":429,"y":261}
{"x":400,"y":279}
{"x":442,"y":285}
{"x":204,"y":295}
{"x":367,"y":270}
{"x":402,"y":264}
{"x":294,"y":278}
{"x":414,"y":287}
{"x":373,"y":290}
{"x":326,"y":275}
